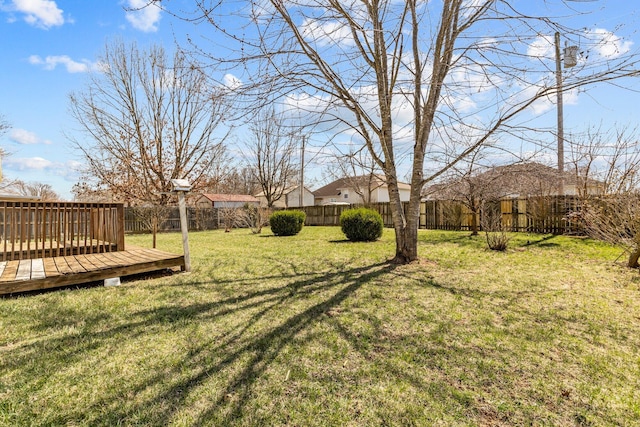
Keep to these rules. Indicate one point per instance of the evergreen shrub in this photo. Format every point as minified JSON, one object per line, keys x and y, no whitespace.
{"x":286,"y":223}
{"x":361,"y":224}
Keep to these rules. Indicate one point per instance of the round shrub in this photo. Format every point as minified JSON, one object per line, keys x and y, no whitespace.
{"x":361,"y":225}
{"x":286,"y":223}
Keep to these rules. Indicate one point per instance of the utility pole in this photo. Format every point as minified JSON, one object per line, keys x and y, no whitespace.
{"x":302,"y":171}
{"x":560,"y":117}
{"x":569,"y":61}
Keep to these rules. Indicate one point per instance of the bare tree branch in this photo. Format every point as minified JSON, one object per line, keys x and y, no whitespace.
{"x":148,"y":120}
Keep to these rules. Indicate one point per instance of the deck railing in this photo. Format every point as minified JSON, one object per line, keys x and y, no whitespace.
{"x":34,"y":229}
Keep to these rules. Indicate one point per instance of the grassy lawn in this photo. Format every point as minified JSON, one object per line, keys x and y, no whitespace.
{"x":311,"y":330}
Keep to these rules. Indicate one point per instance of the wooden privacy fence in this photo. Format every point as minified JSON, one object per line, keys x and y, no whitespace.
{"x":531,"y":214}
{"x":34,"y":229}
{"x":140,"y":219}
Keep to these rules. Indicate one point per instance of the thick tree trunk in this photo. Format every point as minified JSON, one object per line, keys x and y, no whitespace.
{"x":406,"y":245}
{"x":634,"y":258}
{"x":474,"y":219}
{"x":405,"y":224}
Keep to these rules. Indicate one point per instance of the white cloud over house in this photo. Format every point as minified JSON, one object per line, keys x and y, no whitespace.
{"x":143,"y":16}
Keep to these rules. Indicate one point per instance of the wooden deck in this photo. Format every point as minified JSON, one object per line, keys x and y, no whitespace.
{"x":43,"y":273}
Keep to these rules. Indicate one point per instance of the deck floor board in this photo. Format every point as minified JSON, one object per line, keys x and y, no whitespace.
{"x":43,"y":273}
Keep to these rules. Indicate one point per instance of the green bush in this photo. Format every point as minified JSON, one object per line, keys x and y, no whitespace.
{"x":361,"y":225}
{"x":287,"y":223}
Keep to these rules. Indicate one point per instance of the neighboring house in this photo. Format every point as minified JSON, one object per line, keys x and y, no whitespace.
{"x":515,"y":180}
{"x":226,"y":201}
{"x":290,"y":198}
{"x":359,"y":190}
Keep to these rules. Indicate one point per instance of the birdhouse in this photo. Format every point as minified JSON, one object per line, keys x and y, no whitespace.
{"x":180,"y":185}
{"x":570,"y":56}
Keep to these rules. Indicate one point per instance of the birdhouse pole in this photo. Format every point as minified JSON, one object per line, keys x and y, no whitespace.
{"x":182,"y":186}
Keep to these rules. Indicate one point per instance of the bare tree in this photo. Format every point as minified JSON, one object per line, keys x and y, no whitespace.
{"x":85,"y":191}
{"x":148,"y":119}
{"x":605,"y":161}
{"x":236,"y":180}
{"x":469,"y":183}
{"x":254,"y":218}
{"x":403,"y":77}
{"x":4,"y":127}
{"x":358,"y":171}
{"x":271,"y":154}
{"x":36,"y":189}
{"x":493,"y":226}
{"x":606,"y":165}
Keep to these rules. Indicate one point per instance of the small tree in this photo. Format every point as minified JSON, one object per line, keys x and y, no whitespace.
{"x":254,"y":218}
{"x":230,"y":217}
{"x":492,"y":224}
{"x":271,"y":150}
{"x":606,"y":165}
{"x":615,"y":219}
{"x":4,"y":127}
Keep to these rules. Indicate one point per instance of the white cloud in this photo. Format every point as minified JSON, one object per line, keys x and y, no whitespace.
{"x":544,"y":103}
{"x":42,"y":169}
{"x":603,"y":42}
{"x":40,"y":13}
{"x":28,"y":163}
{"x":542,"y":47}
{"x":25,"y":137}
{"x":52,"y":61}
{"x":327,"y":33}
{"x":232,"y":82}
{"x":143,"y":16}
{"x":608,"y":44}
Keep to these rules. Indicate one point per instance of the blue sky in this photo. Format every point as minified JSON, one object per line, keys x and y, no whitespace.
{"x":48,"y":46}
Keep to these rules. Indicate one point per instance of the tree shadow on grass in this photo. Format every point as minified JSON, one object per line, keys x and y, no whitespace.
{"x":257,"y":326}
{"x":242,"y":350}
{"x":542,"y":241}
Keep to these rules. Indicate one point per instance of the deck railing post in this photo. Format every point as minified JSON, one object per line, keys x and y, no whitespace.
{"x":120,"y":227}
